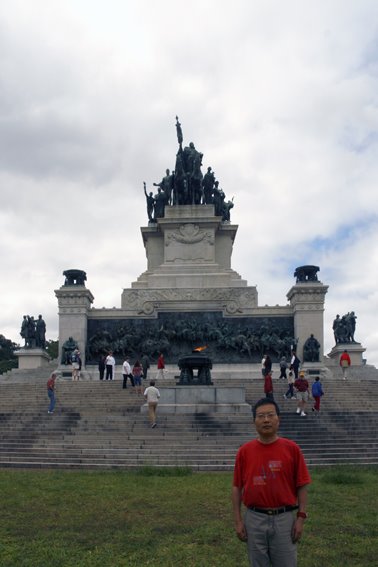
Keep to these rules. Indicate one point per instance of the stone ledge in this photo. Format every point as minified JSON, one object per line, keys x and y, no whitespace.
{"x":201,"y":399}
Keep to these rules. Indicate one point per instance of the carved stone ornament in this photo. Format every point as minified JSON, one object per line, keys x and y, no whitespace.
{"x":233,"y":300}
{"x":190,"y":234}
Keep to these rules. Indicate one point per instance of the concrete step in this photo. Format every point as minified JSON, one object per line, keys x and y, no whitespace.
{"x":97,"y":424}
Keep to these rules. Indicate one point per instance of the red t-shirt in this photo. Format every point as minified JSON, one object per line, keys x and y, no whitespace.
{"x":301,"y":385}
{"x":160,"y":363}
{"x":270,"y":475}
{"x":50,"y":383}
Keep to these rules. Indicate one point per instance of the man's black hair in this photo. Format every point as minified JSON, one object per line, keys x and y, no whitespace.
{"x":264,"y":402}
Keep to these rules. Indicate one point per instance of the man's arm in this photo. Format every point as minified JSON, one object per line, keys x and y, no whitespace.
{"x":302,"y":506}
{"x":236,"y":505}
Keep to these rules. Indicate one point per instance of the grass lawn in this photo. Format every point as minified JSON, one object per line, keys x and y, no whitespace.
{"x":171,"y":518}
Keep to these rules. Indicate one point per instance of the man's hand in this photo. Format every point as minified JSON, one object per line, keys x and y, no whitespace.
{"x":296,"y":532}
{"x":241,"y":532}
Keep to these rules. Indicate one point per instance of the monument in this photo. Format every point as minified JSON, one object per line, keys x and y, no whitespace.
{"x":344,"y":329}
{"x":33,"y":354}
{"x":189,"y":295}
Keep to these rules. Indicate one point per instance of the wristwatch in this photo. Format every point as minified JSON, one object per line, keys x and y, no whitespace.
{"x":302,"y":515}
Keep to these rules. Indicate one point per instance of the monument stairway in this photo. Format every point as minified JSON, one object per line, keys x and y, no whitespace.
{"x":100,"y":425}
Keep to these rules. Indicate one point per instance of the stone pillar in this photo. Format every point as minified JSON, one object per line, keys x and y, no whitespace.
{"x":307,"y":302}
{"x":74,"y":302}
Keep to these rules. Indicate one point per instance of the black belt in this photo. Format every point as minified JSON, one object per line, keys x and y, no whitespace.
{"x":273,"y":511}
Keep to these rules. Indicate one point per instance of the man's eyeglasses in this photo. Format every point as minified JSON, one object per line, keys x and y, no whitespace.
{"x":269,"y":415}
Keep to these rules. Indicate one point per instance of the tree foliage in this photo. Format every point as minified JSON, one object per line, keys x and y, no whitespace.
{"x":8,"y":360}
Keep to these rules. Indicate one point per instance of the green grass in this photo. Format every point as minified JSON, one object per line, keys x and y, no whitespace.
{"x":161,"y":517}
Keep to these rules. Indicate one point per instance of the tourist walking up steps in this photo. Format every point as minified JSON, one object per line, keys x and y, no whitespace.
{"x":290,"y":381}
{"x":137,"y":375}
{"x":76,"y":365}
{"x":270,"y":478}
{"x":126,"y":373}
{"x":294,"y":364}
{"x":145,"y":365}
{"x":101,"y":366}
{"x":110,"y":366}
{"x":267,"y":365}
{"x":51,"y":392}
{"x":268,"y":385}
{"x":345,"y":363}
{"x":301,"y":386}
{"x":160,"y":366}
{"x":283,"y":368}
{"x":152,"y":396}
{"x":317,"y":393}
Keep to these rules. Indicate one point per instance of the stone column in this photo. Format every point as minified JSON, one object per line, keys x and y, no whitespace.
{"x":74,"y":302}
{"x":307,"y":302}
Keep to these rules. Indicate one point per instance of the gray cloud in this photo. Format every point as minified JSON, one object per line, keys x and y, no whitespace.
{"x":280,"y":99}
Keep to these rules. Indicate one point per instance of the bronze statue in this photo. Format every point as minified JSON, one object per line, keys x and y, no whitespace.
{"x":40,"y":332}
{"x":306,"y":274}
{"x":150,"y":204}
{"x":179,"y":132}
{"x":159,"y":204}
{"x":166,"y":185}
{"x":24,"y":328}
{"x":208,"y":186}
{"x":226,"y":210}
{"x":344,"y":328}
{"x":311,"y":350}
{"x":67,"y":349}
{"x":74,"y":277}
{"x":186,"y":185}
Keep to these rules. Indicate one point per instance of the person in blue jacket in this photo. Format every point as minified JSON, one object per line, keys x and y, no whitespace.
{"x":317,"y":393}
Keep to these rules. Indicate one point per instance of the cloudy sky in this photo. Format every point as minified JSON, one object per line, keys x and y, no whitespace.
{"x":281,"y":98}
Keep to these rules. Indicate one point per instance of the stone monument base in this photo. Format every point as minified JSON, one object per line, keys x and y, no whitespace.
{"x":31,"y":358}
{"x":64,"y":372}
{"x":355,"y":351}
{"x":201,"y":399}
{"x":314,"y":368}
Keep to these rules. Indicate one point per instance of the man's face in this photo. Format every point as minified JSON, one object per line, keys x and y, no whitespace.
{"x":267,"y":421}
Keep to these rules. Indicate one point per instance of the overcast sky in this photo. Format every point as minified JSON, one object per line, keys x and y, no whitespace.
{"x":280,"y":97}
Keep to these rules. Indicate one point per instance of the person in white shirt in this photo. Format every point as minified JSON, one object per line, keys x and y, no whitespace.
{"x":126,"y":372}
{"x":152,"y":396}
{"x":110,"y":366}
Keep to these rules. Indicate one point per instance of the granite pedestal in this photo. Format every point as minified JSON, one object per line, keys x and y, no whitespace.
{"x":201,"y":399}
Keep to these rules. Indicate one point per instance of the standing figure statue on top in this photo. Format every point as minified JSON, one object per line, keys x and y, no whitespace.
{"x":150,"y":203}
{"x":186,"y":185}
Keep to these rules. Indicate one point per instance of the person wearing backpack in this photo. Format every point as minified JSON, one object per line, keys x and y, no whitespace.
{"x":294,"y":364}
{"x":290,"y":381}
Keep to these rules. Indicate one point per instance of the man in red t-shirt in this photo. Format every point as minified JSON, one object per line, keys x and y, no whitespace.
{"x":302,"y":393}
{"x":270,"y":479}
{"x":345,"y":363}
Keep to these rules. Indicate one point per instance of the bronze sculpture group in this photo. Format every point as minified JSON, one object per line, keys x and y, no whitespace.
{"x":33,"y":332}
{"x":344,"y":328}
{"x":186,"y":185}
